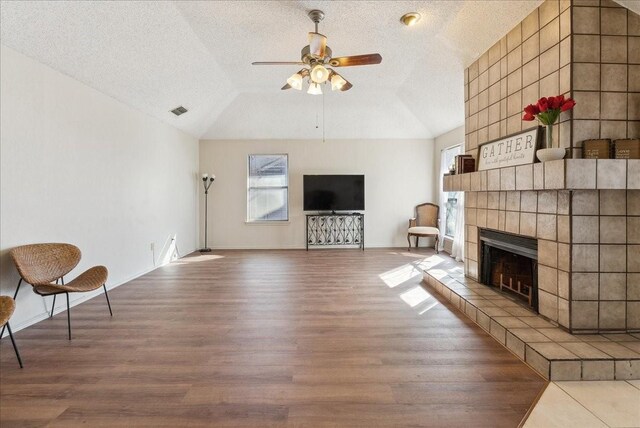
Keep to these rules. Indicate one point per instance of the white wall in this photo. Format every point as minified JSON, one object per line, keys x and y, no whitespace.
{"x":398,"y":176}
{"x":78,"y":166}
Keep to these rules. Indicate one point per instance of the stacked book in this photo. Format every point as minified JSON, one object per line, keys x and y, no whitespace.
{"x":464,"y":164}
{"x":628,"y":148}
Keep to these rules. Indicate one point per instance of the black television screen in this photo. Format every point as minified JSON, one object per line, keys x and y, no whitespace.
{"x":333,"y":192}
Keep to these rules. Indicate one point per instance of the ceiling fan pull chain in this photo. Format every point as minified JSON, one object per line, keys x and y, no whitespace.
{"x":323,"y":118}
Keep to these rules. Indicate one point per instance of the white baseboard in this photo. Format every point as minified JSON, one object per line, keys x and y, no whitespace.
{"x":315,"y":247}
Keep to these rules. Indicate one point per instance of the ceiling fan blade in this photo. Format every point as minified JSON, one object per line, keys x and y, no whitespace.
{"x":285,"y":87}
{"x":348,"y":61}
{"x":317,"y":45}
{"x":277,"y":63}
{"x":346,"y":87}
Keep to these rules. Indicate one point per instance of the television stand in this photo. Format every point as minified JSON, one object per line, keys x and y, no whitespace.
{"x":335,"y":229}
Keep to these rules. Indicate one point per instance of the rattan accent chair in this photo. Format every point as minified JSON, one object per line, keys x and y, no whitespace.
{"x":7,"y":306}
{"x":425,"y":223}
{"x":44,"y":265}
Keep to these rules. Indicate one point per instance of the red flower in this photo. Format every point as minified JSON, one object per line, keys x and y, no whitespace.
{"x":531,"y":110}
{"x":556,"y":102}
{"x":543,"y":104}
{"x":547,"y":110}
{"x":568,"y":104}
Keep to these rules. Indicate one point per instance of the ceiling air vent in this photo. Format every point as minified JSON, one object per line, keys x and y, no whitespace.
{"x":179,"y":110}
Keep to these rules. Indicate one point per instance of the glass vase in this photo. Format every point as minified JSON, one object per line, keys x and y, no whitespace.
{"x":548,"y":137}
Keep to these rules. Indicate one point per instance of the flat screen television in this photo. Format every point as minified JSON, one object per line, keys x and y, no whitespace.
{"x":333,"y":192}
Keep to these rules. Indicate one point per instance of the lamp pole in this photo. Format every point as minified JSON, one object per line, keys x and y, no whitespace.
{"x":207,"y":181}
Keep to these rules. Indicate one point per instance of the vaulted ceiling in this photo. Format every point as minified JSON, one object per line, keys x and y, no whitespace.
{"x":155,"y":56}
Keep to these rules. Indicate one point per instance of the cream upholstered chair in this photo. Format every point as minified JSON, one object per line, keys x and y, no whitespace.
{"x":7,"y":306}
{"x":425,"y":223}
{"x":42,"y":264}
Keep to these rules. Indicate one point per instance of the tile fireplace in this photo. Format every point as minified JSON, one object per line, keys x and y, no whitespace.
{"x":584,"y":213}
{"x":585,"y":218}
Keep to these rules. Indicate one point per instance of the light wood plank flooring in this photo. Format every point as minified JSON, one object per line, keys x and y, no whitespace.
{"x":267,"y":338}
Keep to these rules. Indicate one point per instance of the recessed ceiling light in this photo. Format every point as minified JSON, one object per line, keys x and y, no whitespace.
{"x":410,"y":18}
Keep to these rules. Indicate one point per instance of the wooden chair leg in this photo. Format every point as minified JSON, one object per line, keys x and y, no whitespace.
{"x":409,"y":240}
{"x":437,"y":244}
{"x":417,"y":238}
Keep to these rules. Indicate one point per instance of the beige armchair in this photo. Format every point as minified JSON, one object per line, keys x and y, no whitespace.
{"x":425,"y":224}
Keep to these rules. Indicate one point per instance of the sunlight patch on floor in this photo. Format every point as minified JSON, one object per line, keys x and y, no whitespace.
{"x":399,"y":275}
{"x":438,"y":273}
{"x":197,"y":259}
{"x":457,"y":269}
{"x":429,"y":262}
{"x":407,"y":254}
{"x":415,"y":296}
{"x":429,"y":307}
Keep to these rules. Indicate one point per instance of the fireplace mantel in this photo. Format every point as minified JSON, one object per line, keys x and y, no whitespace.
{"x":564,"y":174}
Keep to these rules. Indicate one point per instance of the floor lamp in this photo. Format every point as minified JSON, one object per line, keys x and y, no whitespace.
{"x":207,"y":181}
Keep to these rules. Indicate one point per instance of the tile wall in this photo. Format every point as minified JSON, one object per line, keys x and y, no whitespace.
{"x":532,"y":60}
{"x":587,"y":49}
{"x":606,"y":72}
{"x":605,"y":267}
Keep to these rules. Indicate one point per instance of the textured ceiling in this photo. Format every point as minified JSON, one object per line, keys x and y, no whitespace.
{"x":155,"y":56}
{"x":633,"y":5}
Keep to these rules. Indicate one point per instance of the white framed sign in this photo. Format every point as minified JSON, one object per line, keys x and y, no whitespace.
{"x":516,"y":149}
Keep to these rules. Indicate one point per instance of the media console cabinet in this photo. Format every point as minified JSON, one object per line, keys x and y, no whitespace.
{"x":335,"y":229}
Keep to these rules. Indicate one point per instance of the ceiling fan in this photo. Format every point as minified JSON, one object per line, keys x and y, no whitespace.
{"x":316,"y":56}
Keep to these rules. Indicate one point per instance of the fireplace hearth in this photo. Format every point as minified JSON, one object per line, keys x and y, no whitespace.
{"x":510,"y":263}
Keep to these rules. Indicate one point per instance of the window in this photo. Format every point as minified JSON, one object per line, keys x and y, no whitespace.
{"x":268,"y":188}
{"x":451,"y":198}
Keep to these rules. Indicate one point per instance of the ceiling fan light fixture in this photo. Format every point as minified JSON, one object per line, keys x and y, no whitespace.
{"x":410,"y":18}
{"x":337,"y":82}
{"x":319,"y":74}
{"x":314,"y":89}
{"x":317,"y":56}
{"x":295,"y":81}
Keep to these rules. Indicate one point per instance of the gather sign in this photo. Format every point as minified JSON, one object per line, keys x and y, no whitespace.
{"x":517,"y":149}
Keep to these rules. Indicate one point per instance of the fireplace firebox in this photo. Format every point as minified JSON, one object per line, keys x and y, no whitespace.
{"x":510,"y":263}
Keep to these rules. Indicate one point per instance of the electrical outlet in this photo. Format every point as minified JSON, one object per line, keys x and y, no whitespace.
{"x":153,"y":246}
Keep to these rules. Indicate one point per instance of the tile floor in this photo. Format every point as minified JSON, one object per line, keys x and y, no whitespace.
{"x":551,"y":351}
{"x":612,"y":404}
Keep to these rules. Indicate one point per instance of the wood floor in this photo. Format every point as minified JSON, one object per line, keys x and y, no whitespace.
{"x":266,"y":338}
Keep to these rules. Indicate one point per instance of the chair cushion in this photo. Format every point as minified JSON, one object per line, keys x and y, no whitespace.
{"x":423,"y":230}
